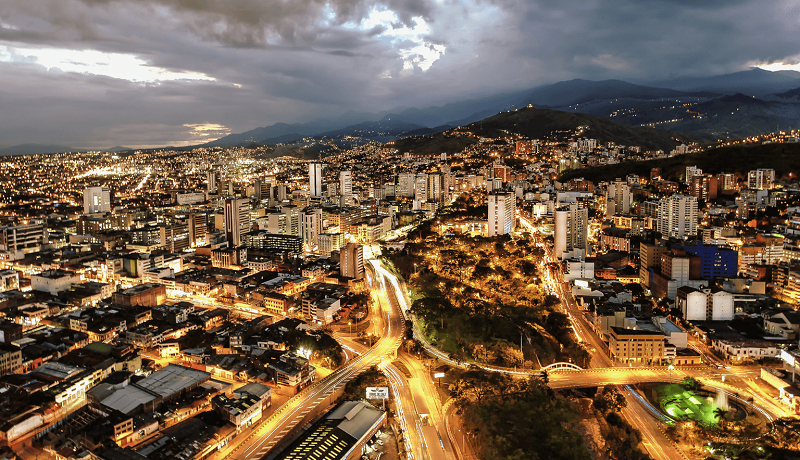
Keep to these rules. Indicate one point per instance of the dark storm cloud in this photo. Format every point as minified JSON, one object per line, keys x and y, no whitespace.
{"x":286,"y":61}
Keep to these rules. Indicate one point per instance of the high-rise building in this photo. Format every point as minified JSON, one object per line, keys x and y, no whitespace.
{"x":677,"y":217}
{"x":237,"y":220}
{"x":211,"y":185}
{"x":198,"y":228}
{"x":726,"y":182}
{"x":346,"y":185}
{"x":351,"y":261}
{"x":761,"y":179}
{"x":96,"y":200}
{"x":435,"y":187}
{"x":315,"y":179}
{"x":501,"y":213}
{"x":405,"y":185}
{"x":421,"y":187}
{"x":329,"y":242}
{"x":571,"y":229}
{"x":649,"y":262}
{"x":311,"y":224}
{"x":287,"y":221}
{"x":257,"y":189}
{"x":620,"y":192}
{"x":704,"y":187}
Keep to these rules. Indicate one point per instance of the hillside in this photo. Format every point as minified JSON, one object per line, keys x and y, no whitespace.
{"x":541,"y":123}
{"x":783,"y":158}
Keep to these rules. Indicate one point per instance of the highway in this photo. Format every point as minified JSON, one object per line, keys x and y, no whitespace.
{"x":302,"y":407}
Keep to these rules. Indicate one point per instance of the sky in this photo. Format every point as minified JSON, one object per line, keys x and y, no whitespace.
{"x":141,"y":73}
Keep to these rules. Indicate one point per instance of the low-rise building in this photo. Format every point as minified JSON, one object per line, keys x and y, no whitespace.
{"x":636,"y":347}
{"x":54,"y":281}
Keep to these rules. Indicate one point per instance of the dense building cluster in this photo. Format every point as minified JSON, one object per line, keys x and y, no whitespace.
{"x":143,"y":291}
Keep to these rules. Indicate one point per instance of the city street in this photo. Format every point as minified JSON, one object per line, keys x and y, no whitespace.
{"x":312,"y":400}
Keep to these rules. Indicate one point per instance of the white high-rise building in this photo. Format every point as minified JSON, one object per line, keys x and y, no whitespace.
{"x":501,"y":213}
{"x":96,"y":200}
{"x":677,"y":217}
{"x":761,"y":179}
{"x":315,"y":179}
{"x":405,"y":185}
{"x":237,"y":220}
{"x":620,"y":192}
{"x":346,"y":186}
{"x":571,"y":229}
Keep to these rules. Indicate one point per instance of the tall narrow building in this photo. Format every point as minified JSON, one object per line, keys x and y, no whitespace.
{"x":96,"y":200}
{"x":211,"y":182}
{"x":501,"y":213}
{"x":315,"y":179}
{"x":351,"y":261}
{"x":346,"y":186}
{"x":618,"y":192}
{"x":571,"y":229}
{"x":677,"y":217}
{"x":237,"y":220}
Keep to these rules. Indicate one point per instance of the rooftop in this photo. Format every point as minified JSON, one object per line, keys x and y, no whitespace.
{"x":173,"y":379}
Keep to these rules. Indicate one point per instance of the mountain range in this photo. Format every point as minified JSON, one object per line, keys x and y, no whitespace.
{"x":726,"y":106}
{"x":696,"y":106}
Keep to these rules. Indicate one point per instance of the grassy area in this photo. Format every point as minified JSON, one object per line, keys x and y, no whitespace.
{"x":682,"y":404}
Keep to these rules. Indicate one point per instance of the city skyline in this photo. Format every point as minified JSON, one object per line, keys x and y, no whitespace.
{"x":95,"y":74}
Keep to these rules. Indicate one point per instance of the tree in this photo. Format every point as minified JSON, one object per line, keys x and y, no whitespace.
{"x":690,"y":384}
{"x":720,"y":414}
{"x":609,"y":400}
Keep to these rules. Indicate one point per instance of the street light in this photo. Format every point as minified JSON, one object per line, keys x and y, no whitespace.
{"x":350,"y":323}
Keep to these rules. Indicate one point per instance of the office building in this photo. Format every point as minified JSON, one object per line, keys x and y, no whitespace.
{"x":315,"y":179}
{"x":237,"y":219}
{"x":677,"y":217}
{"x":96,"y":200}
{"x":501,"y":213}
{"x":571,"y":229}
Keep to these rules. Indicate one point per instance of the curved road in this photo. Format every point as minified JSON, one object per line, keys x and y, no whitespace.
{"x":303,"y":406}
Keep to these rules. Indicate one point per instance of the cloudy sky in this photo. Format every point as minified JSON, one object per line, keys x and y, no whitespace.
{"x":100,"y":73}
